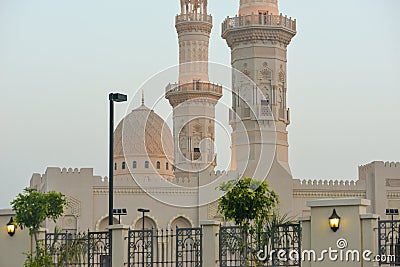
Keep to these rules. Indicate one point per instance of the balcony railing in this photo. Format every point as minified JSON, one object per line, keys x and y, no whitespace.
{"x":259,"y":20}
{"x":193,"y":17}
{"x":194,"y":86}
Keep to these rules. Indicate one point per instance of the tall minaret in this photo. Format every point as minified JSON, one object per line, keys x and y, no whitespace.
{"x":258,"y":37}
{"x":193,"y":98}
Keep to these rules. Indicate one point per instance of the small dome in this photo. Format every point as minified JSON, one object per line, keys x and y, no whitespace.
{"x":142,"y":133}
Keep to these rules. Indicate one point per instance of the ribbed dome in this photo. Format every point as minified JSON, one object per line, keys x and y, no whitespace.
{"x":143,"y":133}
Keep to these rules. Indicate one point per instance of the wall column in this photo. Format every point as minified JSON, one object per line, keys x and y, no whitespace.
{"x":369,"y":226}
{"x":210,"y":243}
{"x":345,"y":247}
{"x":305,"y":223}
{"x":119,"y":245}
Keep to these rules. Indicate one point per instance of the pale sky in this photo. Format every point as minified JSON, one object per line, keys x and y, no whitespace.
{"x":60,"y":59}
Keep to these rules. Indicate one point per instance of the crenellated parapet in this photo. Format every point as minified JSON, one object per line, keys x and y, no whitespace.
{"x":327,"y":183}
{"x":390,"y":169}
{"x":63,"y":176}
{"x":308,"y":189}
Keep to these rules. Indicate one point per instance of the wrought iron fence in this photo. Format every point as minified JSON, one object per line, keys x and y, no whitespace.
{"x":389,"y":242}
{"x":99,"y":248}
{"x":166,"y":248}
{"x":78,"y":249}
{"x":239,"y":248}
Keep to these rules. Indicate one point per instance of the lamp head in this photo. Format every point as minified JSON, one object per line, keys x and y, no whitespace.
{"x":334,"y":221}
{"x":11,"y":227}
{"x":117,"y":97}
{"x":143,"y":210}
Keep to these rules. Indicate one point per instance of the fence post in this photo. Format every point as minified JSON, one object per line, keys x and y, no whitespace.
{"x":210,"y":243}
{"x":41,"y":234}
{"x":369,"y":241}
{"x":119,"y":245}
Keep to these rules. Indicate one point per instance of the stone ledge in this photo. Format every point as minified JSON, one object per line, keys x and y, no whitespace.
{"x":118,"y":227}
{"x":210,"y":222}
{"x":331,"y":202}
{"x":369,"y":216}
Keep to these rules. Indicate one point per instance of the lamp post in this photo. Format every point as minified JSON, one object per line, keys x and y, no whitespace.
{"x":113,"y":97}
{"x":143,"y":211}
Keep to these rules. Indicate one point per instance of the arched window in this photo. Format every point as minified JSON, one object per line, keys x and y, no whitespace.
{"x":158,"y":165}
{"x":134,"y":164}
{"x":123,"y":165}
{"x":146,"y":164}
{"x":115,"y":166}
{"x":166,"y":166}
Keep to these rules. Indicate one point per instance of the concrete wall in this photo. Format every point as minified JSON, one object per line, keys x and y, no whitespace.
{"x":12,"y":248}
{"x":356,"y":233}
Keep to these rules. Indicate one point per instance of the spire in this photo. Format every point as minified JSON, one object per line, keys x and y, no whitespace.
{"x":142,"y":97}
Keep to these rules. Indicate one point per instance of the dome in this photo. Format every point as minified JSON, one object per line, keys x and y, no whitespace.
{"x":143,"y":135}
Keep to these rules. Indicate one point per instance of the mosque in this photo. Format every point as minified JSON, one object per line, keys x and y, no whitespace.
{"x":172,"y":173}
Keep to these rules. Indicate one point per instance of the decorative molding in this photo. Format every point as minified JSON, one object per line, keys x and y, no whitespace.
{"x":212,"y":209}
{"x":393,"y":182}
{"x":140,"y":191}
{"x":393,"y":195}
{"x":193,"y":26}
{"x":74,"y":206}
{"x":328,"y":194}
{"x":264,"y":35}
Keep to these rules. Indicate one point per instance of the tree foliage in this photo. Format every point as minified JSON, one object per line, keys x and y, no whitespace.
{"x":247,"y":201}
{"x":32,"y":208}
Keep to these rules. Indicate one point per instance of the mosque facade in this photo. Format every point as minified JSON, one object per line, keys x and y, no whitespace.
{"x":172,"y":172}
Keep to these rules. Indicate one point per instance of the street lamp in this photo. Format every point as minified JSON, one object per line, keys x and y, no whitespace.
{"x":11,"y":227}
{"x":113,"y":97}
{"x":143,"y":211}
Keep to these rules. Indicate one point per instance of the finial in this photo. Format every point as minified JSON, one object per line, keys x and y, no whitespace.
{"x":142,"y":98}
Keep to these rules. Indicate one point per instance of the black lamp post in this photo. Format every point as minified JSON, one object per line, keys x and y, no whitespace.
{"x":113,"y":97}
{"x":143,"y":211}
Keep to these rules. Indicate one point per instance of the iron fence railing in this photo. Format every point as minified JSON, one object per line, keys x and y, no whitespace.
{"x":239,"y":248}
{"x":78,"y":249}
{"x":389,"y":242}
{"x":181,"y":247}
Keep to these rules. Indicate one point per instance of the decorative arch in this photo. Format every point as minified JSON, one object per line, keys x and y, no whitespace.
{"x":102,"y":222}
{"x":149,"y":221}
{"x":265,"y":73}
{"x":180,"y":218}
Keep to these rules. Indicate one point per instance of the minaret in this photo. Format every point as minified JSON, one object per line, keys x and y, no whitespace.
{"x":258,"y":37}
{"x":193,"y":98}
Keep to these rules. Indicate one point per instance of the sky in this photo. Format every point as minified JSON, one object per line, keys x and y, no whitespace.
{"x":60,"y":59}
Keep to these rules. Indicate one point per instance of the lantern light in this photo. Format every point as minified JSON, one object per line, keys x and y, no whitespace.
{"x":11,"y":227}
{"x":334,"y":221}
